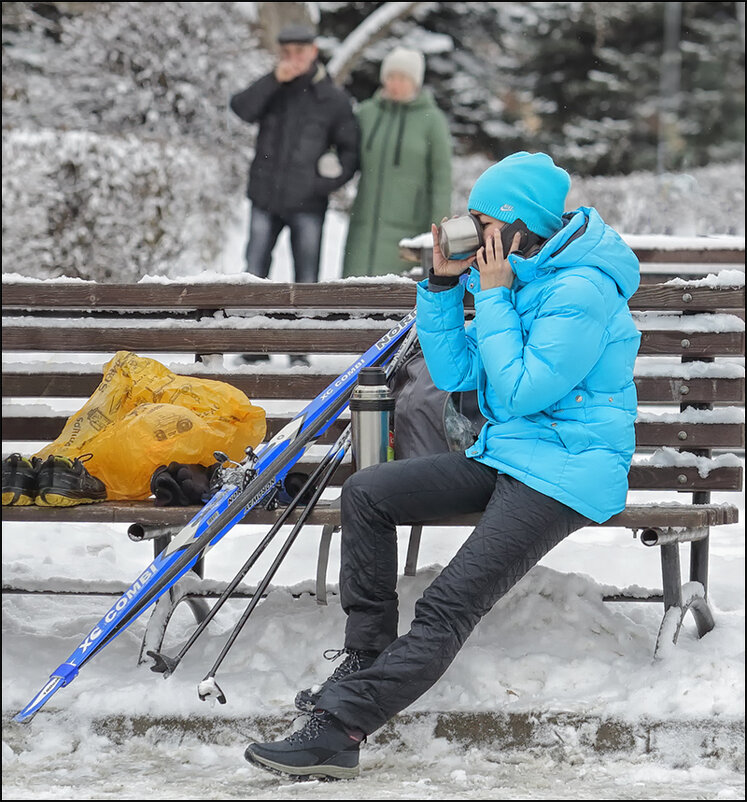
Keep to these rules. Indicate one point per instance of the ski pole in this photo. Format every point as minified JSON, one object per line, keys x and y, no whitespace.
{"x":209,"y":687}
{"x":166,"y":665}
{"x":401,"y":353}
{"x":228,"y":507}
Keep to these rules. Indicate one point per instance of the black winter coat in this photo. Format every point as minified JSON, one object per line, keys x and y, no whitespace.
{"x":298,"y":122}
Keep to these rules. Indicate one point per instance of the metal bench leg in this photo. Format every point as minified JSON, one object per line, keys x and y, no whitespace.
{"x":671,"y":575}
{"x":199,"y":607}
{"x":413,"y":547}
{"x":699,"y":562}
{"x":321,"y":567}
{"x":678,"y":600}
{"x":699,"y":573}
{"x":164,"y":608}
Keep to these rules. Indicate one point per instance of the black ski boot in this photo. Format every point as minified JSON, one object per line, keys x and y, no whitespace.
{"x":356,"y":660}
{"x":20,"y":480}
{"x":324,"y":748}
{"x":64,"y":483}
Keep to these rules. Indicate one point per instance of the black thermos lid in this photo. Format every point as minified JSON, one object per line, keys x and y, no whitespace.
{"x":371,"y":377}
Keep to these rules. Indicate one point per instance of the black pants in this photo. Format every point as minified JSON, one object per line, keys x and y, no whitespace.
{"x":519,"y":526}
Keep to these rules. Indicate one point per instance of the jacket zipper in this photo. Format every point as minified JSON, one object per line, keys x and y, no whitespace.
{"x":375,"y":129}
{"x":400,"y":134}
{"x":377,"y":204}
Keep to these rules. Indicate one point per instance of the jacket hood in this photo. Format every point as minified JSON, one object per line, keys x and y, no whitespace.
{"x":584,"y":240}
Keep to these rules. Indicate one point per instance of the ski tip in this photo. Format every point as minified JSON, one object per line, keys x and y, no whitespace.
{"x":63,"y":675}
{"x":209,"y":689}
{"x":41,"y":698}
{"x":162,"y":663}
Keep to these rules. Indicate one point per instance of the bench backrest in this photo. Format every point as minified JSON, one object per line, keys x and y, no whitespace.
{"x":689,"y":374}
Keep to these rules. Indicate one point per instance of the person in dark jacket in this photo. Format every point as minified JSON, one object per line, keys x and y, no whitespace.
{"x":550,"y":352}
{"x":307,"y":147}
{"x":405,"y":178}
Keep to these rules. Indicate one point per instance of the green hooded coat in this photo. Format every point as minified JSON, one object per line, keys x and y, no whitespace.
{"x":405,"y":181}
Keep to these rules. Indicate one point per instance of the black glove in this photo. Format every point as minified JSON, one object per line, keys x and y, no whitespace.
{"x":180,"y":485}
{"x":292,"y":485}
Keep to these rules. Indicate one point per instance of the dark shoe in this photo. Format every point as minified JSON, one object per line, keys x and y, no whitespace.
{"x":254,"y":359}
{"x":20,"y":480}
{"x":299,"y":361}
{"x":64,"y":483}
{"x":323,"y":748}
{"x":357,"y":660}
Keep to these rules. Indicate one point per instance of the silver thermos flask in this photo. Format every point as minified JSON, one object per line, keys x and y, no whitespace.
{"x":371,"y":412}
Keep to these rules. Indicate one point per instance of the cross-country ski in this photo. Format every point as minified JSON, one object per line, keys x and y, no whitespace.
{"x":260,"y":474}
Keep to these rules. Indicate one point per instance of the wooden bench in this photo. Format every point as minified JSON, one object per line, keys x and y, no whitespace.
{"x":689,"y":375}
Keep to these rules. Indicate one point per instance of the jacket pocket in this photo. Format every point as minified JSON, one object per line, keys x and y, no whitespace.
{"x":575,"y":436}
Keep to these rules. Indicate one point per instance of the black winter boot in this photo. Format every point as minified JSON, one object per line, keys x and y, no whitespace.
{"x":324,"y":748}
{"x":356,"y":660}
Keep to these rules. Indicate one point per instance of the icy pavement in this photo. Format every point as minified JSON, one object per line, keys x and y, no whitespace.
{"x":73,"y":761}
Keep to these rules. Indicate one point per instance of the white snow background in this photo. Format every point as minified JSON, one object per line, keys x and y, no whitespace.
{"x":551,"y":652}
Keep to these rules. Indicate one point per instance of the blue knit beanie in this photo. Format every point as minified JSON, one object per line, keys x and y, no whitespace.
{"x":529,"y":186}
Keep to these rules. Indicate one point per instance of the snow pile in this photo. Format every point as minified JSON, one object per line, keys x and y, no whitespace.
{"x":667,"y":457}
{"x":711,"y":321}
{"x":724,"y":278}
{"x":551,"y":644}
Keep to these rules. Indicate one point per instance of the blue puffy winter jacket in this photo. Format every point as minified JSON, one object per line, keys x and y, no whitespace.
{"x":552,"y":361}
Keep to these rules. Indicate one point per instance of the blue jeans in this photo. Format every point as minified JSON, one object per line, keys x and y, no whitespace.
{"x":306,"y":242}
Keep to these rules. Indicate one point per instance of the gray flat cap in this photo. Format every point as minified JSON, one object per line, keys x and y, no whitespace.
{"x":296,"y":34}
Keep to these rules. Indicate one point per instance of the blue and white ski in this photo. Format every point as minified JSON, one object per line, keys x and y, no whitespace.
{"x":227,"y":508}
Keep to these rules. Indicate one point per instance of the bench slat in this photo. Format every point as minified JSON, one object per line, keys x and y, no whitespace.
{"x":641,"y":477}
{"x":648,"y":433}
{"x":396,"y":296}
{"x":692,"y":344}
{"x":304,"y":386}
{"x":700,"y":390}
{"x":145,"y":513}
{"x":300,"y":340}
{"x":81,"y":384}
{"x":251,"y":295}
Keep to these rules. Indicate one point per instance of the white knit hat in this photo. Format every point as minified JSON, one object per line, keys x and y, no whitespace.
{"x":409,"y":62}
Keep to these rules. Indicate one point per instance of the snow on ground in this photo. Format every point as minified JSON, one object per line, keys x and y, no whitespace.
{"x":551,"y":652}
{"x":550,"y":647}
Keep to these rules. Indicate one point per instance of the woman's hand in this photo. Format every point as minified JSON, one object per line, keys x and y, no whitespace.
{"x":495,"y":271}
{"x":443,"y":266}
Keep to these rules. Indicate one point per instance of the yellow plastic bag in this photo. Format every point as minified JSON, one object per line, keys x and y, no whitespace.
{"x":142,"y":415}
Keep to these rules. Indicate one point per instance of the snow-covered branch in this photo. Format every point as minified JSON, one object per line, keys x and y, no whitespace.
{"x":373,"y":28}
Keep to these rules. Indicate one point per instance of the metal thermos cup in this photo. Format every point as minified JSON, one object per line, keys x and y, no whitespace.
{"x":460,"y":237}
{"x":371,"y":410}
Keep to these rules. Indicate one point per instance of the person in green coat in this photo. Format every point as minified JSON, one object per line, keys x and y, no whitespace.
{"x":405,"y":172}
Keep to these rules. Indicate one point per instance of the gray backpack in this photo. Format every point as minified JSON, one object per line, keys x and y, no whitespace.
{"x":428,"y":420}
